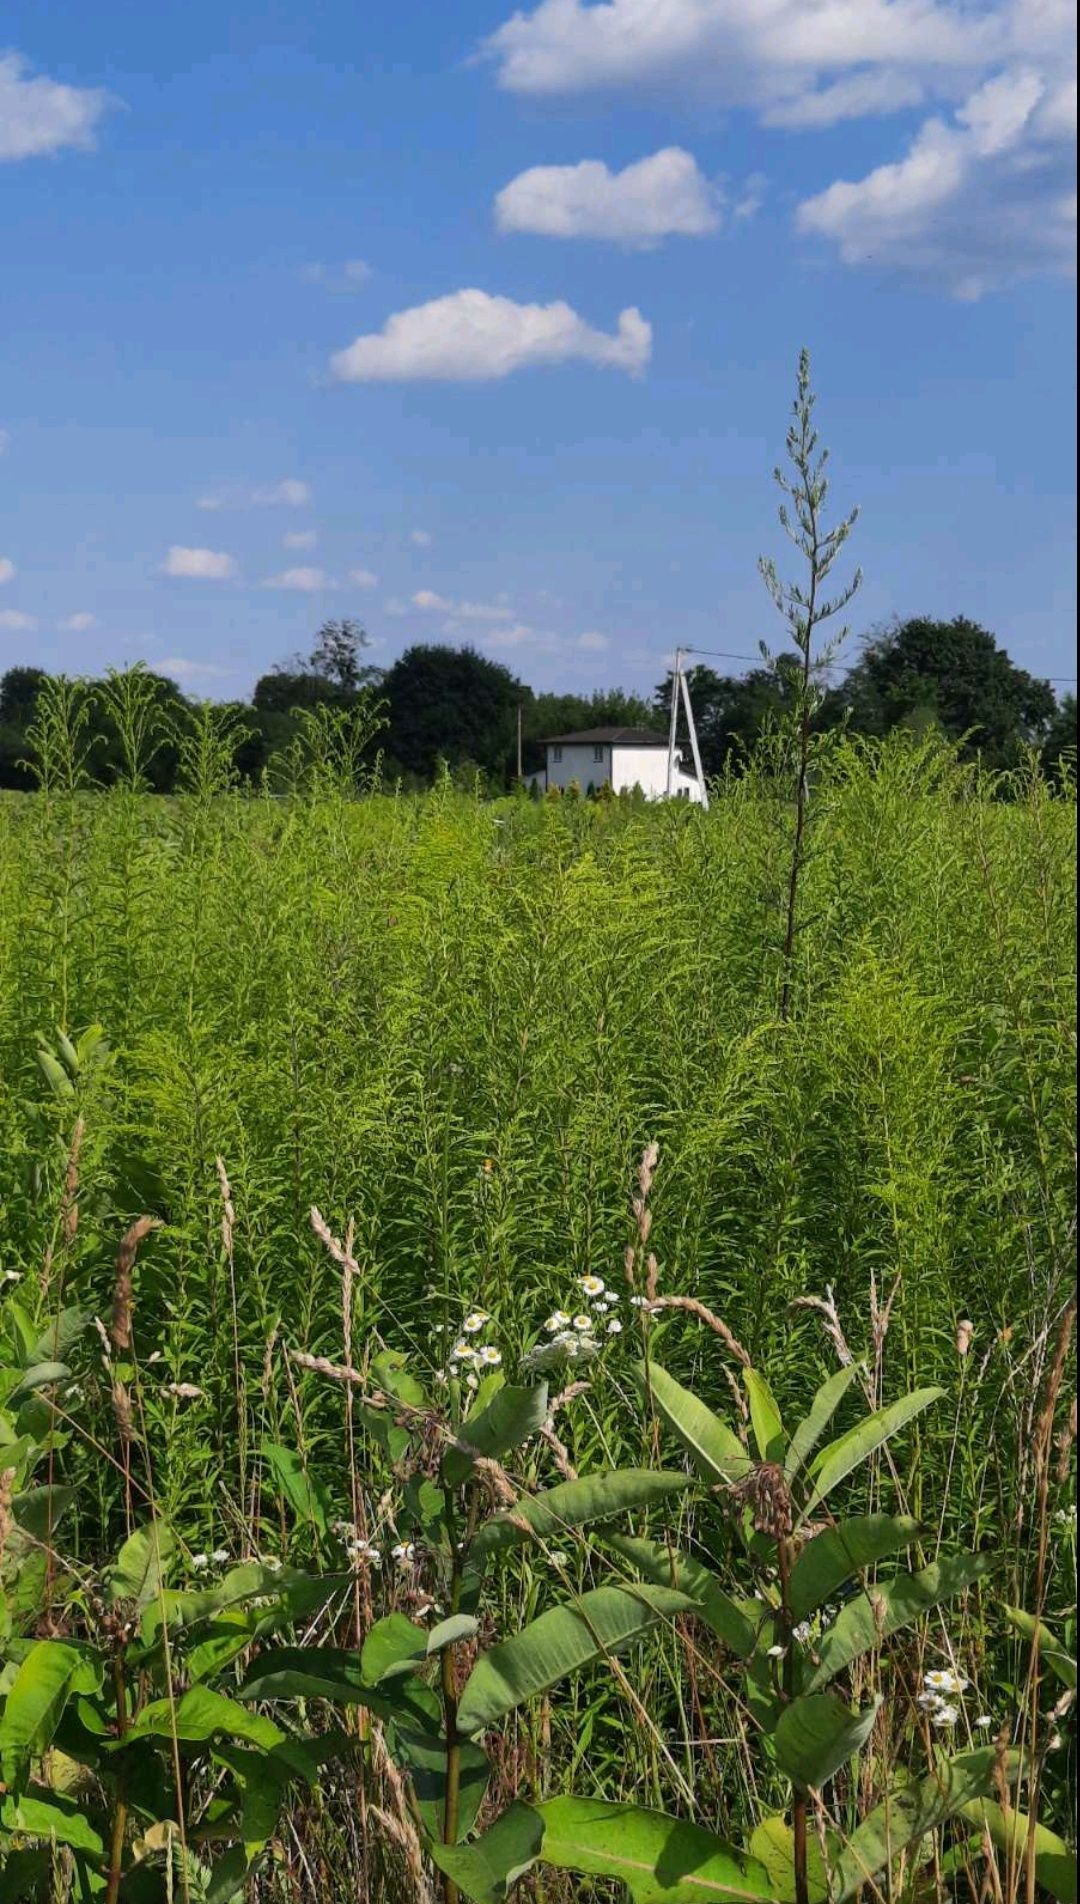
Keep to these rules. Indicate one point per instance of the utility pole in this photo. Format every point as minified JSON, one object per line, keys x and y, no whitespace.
{"x":676,"y":677}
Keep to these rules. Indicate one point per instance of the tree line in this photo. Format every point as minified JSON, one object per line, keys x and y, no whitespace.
{"x":442,"y":704}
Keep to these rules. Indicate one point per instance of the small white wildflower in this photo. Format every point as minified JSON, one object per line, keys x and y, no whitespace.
{"x":802,"y":1632}
{"x":219,"y":1557}
{"x":984,"y":1722}
{"x":473,"y":1324}
{"x":462,"y":1351}
{"x":441,"y":1377}
{"x":556,"y":1321}
{"x":777,"y":1652}
{"x":490,"y":1356}
{"x":583,"y":1324}
{"x":944,"y":1715}
{"x":944,"y":1682}
{"x":471,"y":1380}
{"x":404,"y":1553}
{"x":200,"y":1562}
{"x":614,"y":1326}
{"x":592,"y":1285}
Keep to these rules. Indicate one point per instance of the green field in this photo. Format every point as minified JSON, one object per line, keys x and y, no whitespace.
{"x":457,"y":1023}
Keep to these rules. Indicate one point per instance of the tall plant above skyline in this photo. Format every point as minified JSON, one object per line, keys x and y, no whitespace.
{"x":805,"y":607}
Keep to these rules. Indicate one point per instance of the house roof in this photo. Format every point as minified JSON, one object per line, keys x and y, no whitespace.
{"x":608,"y":737}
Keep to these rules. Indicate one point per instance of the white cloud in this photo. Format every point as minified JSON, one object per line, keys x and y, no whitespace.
{"x":514,"y":636}
{"x":291,"y":493}
{"x":428,"y":602}
{"x":420,"y":538}
{"x":16,"y":621}
{"x":304,"y":581}
{"x":363,"y":578}
{"x":343,"y":277}
{"x":977,"y":202}
{"x":299,"y":539}
{"x":658,"y":197}
{"x":77,"y":624}
{"x":200,"y":565}
{"x":951,"y":210}
{"x":472,"y":337}
{"x":41,"y":115}
{"x":180,"y":668}
{"x":7,"y":569}
{"x":594,"y":642}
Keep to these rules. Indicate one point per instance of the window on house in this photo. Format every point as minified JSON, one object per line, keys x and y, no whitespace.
{"x":556,"y":755}
{"x":598,"y":753}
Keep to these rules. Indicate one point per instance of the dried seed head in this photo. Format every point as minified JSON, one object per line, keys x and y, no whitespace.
{"x":647,"y":1168}
{"x":121,"y":1406}
{"x":965,"y":1330}
{"x":765,"y":1491}
{"x":123,"y":1290}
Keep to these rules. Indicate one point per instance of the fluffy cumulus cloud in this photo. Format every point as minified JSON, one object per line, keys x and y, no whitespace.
{"x":363,"y":578}
{"x":7,"y":569}
{"x":39,"y":115}
{"x":78,"y":624}
{"x":472,"y":337}
{"x":300,"y":581}
{"x":199,"y":565}
{"x":299,"y":539}
{"x":984,"y":192}
{"x":14,"y":620}
{"x":978,"y":200}
{"x":662,"y":196}
{"x":182,"y":668}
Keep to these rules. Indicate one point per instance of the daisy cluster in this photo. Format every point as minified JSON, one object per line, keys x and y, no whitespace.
{"x":578,"y":1338}
{"x":940,"y":1690}
{"x":470,"y":1357}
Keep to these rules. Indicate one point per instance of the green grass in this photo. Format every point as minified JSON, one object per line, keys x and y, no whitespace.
{"x":458,"y":1023}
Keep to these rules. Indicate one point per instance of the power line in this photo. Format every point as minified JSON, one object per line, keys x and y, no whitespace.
{"x":827,"y":667}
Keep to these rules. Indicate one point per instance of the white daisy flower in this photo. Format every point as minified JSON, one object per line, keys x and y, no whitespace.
{"x":944,"y":1682}
{"x":614,"y":1326}
{"x":583,"y":1324}
{"x":219,"y":1557}
{"x":462,"y":1351}
{"x":490,"y":1356}
{"x":200,"y":1562}
{"x":984,"y":1722}
{"x":592,"y":1285}
{"x":473,"y":1323}
{"x":944,"y":1715}
{"x":556,"y":1321}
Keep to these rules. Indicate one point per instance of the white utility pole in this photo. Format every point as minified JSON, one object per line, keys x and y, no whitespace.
{"x":680,"y":690}
{"x":673,"y":725}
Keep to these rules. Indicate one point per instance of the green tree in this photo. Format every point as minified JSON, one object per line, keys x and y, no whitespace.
{"x":730,"y":711}
{"x":953,"y":673}
{"x":452,"y":704}
{"x":1060,"y":742}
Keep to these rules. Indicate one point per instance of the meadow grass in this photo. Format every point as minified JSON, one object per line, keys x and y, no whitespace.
{"x":456,"y":1022}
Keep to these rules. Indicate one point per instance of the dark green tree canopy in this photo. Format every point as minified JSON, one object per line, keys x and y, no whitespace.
{"x":954,"y":673}
{"x":451,"y":704}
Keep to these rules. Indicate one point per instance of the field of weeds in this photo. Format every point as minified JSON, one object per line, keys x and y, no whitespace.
{"x":321,"y":1121}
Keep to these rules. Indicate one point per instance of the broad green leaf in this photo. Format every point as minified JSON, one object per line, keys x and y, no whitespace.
{"x":509,"y":1419}
{"x":773,"y":1845}
{"x":390,"y":1371}
{"x":663,"y":1568}
{"x":281,"y":1593}
{"x":35,"y":1703}
{"x":842,"y":1551}
{"x":1055,"y":1864}
{"x":41,"y":1375}
{"x":1060,"y":1662}
{"x":59,"y":1336}
{"x":486,"y":1870}
{"x":884,"y":1608}
{"x":595,"y":1497}
{"x":54,"y":1074}
{"x":837,"y":1461}
{"x":227,"y":1881}
{"x":38,"y":1511}
{"x":908,"y":1814}
{"x":425,"y":1756}
{"x":764,"y":1417}
{"x":459,"y":1626}
{"x":306,"y":1672}
{"x":816,"y":1420}
{"x":660,"y":1860}
{"x":201,"y":1714}
{"x":559,"y":1642}
{"x":714,"y":1448}
{"x":142,"y":1564}
{"x":225,"y":1639}
{"x":54,"y":1818}
{"x":305,"y":1495}
{"x":818,"y":1734}
{"x":394,"y":1645}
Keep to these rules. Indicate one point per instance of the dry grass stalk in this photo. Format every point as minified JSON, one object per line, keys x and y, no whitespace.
{"x":825,"y":1307}
{"x":123,"y":1287}
{"x":714,"y":1322}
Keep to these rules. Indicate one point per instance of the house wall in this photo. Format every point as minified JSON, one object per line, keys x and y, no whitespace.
{"x":580,"y":764}
{"x":623,"y":767}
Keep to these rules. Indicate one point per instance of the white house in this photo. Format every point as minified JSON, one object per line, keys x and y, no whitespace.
{"x":619,"y":757}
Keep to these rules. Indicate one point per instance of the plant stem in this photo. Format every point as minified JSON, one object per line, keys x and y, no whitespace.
{"x":119,"y":1823}
{"x":800,"y":1841}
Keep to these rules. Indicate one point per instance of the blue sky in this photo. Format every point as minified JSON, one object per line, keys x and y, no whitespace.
{"x":482,"y":326}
